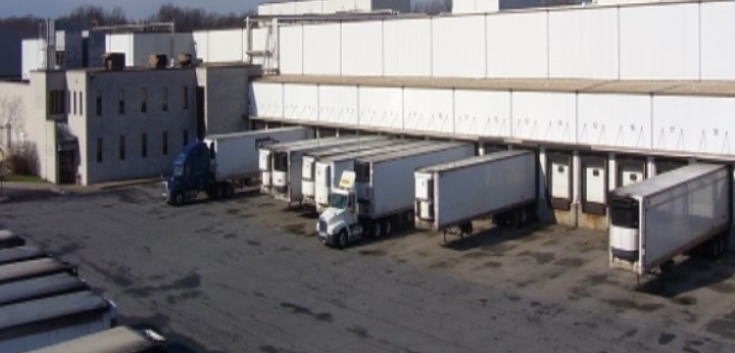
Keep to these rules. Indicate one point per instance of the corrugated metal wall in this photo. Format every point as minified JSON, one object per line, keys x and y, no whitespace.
{"x":687,"y":124}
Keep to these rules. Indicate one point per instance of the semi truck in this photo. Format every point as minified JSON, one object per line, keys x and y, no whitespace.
{"x":328,"y":171}
{"x":121,"y":339}
{"x":379,"y":195}
{"x":681,"y":211}
{"x":287,"y":166}
{"x":502,"y":185}
{"x":265,"y":158}
{"x":220,"y":163}
{"x":39,"y":323}
{"x":311,"y":158}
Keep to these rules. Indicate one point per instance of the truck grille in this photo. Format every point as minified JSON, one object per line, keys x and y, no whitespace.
{"x":322,"y":226}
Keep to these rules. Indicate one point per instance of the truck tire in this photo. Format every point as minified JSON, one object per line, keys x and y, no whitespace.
{"x":178,"y":199}
{"x":388,"y":226}
{"x":377,"y":230}
{"x":342,"y":240}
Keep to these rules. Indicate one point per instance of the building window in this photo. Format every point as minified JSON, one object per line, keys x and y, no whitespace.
{"x":186,"y":97}
{"x":165,"y":143}
{"x":74,"y":99}
{"x":122,"y":147}
{"x":121,"y":101}
{"x":81,"y":103}
{"x":99,"y":150}
{"x":56,"y":100}
{"x":98,"y":103}
{"x":186,"y":137}
{"x":144,"y":145}
{"x":164,"y":99}
{"x":143,"y":100}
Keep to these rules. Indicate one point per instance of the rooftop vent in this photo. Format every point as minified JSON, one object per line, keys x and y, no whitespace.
{"x":185,"y":60}
{"x":114,"y":61}
{"x":157,"y":61}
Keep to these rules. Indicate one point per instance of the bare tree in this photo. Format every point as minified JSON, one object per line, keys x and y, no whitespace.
{"x":11,"y":119}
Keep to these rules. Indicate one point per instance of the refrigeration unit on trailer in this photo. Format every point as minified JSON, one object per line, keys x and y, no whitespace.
{"x":121,"y":339}
{"x":265,"y":159}
{"x":501,"y":184}
{"x":379,"y":195}
{"x":36,"y":324}
{"x":18,"y":271}
{"x":311,"y":158}
{"x":328,"y":171}
{"x":287,"y":166}
{"x":221,"y":163}
{"x":655,"y":220}
{"x":40,"y":287}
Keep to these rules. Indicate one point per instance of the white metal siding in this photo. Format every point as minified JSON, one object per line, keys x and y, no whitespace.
{"x":544,"y":116}
{"x":225,"y":45}
{"x":201,"y":45}
{"x":482,"y":113}
{"x":614,"y":120}
{"x":268,"y":100}
{"x":322,"y":49}
{"x":516,"y":45}
{"x":290,"y":49}
{"x":458,"y":47}
{"x":693,"y":124}
{"x":300,"y":102}
{"x":309,"y":7}
{"x":338,"y":104}
{"x":362,"y":49}
{"x":428,"y":110}
{"x":407,"y":47}
{"x":659,"y":42}
{"x":583,"y":44}
{"x":718,"y":40}
{"x":381,"y":107}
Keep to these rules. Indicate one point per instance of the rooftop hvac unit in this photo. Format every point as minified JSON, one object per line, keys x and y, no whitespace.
{"x":185,"y":60}
{"x":157,"y":61}
{"x":114,"y":61}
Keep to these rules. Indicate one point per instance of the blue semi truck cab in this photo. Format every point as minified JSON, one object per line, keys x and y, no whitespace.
{"x":194,"y":171}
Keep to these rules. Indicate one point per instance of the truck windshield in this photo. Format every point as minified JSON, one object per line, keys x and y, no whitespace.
{"x":338,"y":201}
{"x":178,"y":170}
{"x":280,"y":162}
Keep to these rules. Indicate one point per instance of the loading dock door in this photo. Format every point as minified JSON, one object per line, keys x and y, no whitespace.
{"x":560,"y":183}
{"x":594,"y":185}
{"x":630,"y":172}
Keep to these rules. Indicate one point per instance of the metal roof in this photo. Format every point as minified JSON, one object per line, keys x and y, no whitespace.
{"x":33,"y":268}
{"x":667,"y":180}
{"x":120,"y":339}
{"x":318,"y":144}
{"x":251,"y":132}
{"x":472,"y":161}
{"x":20,"y":253}
{"x":305,"y":142}
{"x":376,"y":151}
{"x":20,"y":314}
{"x":366,"y":142}
{"x":39,"y":287}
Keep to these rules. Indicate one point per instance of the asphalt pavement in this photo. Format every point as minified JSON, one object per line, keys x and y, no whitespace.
{"x":214,"y":280}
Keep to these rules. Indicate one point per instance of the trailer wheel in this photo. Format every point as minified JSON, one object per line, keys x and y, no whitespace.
{"x":178,"y":199}
{"x":377,"y":232}
{"x":388,"y":226}
{"x":342,"y":240}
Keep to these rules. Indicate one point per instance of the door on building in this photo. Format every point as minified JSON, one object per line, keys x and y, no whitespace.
{"x":560,"y":180}
{"x":201,"y":126}
{"x":67,"y":167}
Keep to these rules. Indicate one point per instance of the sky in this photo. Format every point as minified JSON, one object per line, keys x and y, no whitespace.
{"x":134,"y":9}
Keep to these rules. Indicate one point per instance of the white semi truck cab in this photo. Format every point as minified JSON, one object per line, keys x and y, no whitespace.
{"x":339,"y":225}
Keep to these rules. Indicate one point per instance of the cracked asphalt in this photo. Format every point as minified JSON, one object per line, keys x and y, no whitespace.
{"x":244,"y":275}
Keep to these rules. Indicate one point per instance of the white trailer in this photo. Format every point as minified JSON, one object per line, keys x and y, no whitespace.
{"x":379,"y":195}
{"x":287,"y":167}
{"x":265,"y":159}
{"x":501,"y":184}
{"x":221,"y":163}
{"x":655,"y":220}
{"x":39,"y":323}
{"x":328,"y":171}
{"x":310,"y":159}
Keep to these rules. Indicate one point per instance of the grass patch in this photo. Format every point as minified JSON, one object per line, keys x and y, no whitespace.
{"x":23,"y":178}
